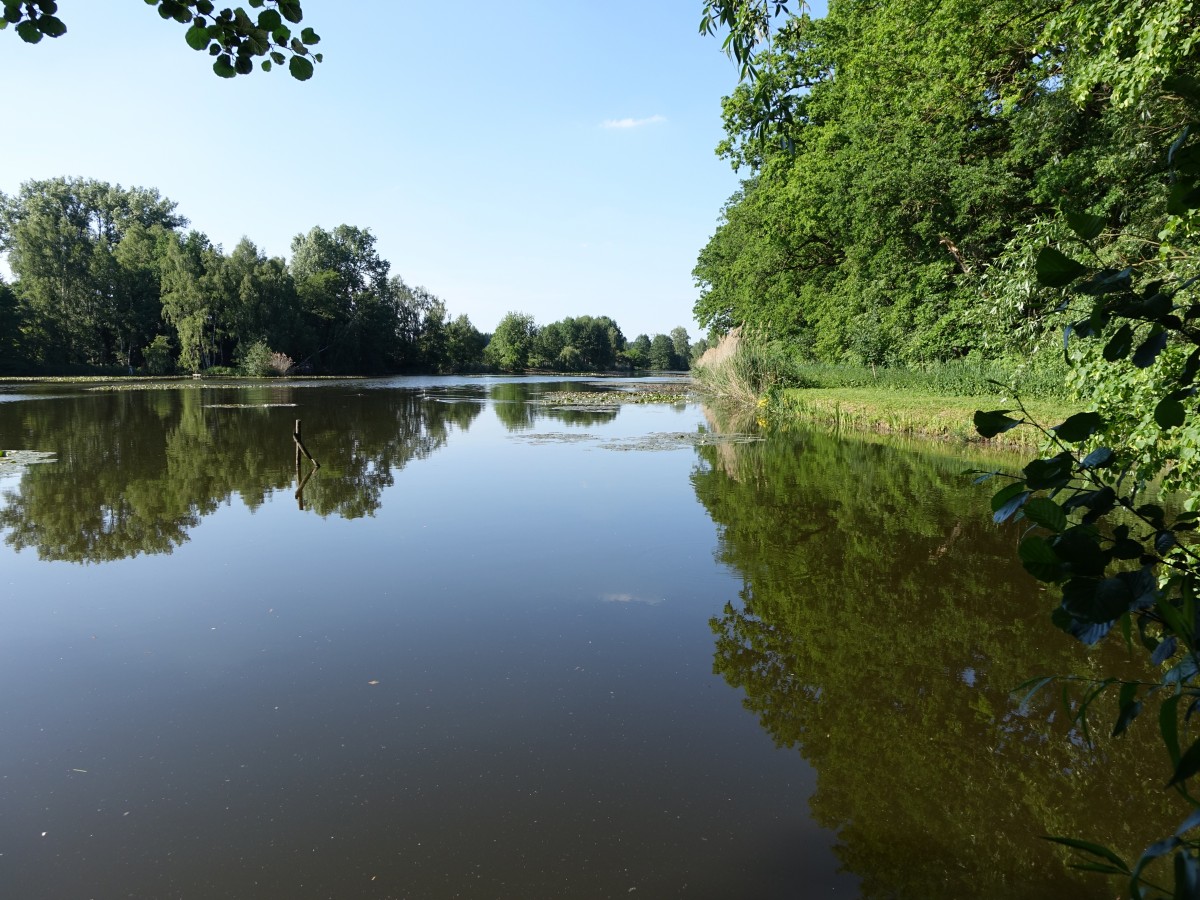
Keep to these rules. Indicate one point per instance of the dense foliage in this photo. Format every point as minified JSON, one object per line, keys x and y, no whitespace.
{"x":1049,"y":152}
{"x":904,"y":162}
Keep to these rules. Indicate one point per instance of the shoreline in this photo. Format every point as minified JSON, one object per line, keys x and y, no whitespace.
{"x":937,"y":418}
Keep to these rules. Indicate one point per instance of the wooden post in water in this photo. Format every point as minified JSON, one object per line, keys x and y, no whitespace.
{"x":300,"y":448}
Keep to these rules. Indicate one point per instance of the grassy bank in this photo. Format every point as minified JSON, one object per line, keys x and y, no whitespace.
{"x":917,"y":413}
{"x":936,"y":402}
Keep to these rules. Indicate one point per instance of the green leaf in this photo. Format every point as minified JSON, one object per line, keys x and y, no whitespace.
{"x":1039,"y":559}
{"x":1153,"y":852}
{"x":224,"y":66}
{"x":1187,"y":875}
{"x":1045,"y":512}
{"x":1189,"y":765}
{"x":1150,"y":348}
{"x":1094,"y":601}
{"x":1080,"y":547}
{"x":1169,"y":413}
{"x":301,"y":68}
{"x":269,"y":20}
{"x":1098,"y":458}
{"x":1090,"y":848}
{"x":1168,"y":726}
{"x":1153,"y":513}
{"x":1031,"y":687}
{"x":1183,"y":197}
{"x":266,"y":65}
{"x":1085,"y":225}
{"x":1054,"y":269}
{"x":179,"y":12}
{"x":1006,"y":493}
{"x":197,"y":37}
{"x":51,"y":26}
{"x":290,"y":9}
{"x":243,"y":65}
{"x":1129,"y":707}
{"x":1079,"y":427}
{"x":29,"y":32}
{"x":310,"y":37}
{"x":1043,"y":474}
{"x":1119,"y":344}
{"x":990,"y":424}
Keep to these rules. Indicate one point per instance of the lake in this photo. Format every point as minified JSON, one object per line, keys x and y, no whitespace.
{"x":495,"y":648}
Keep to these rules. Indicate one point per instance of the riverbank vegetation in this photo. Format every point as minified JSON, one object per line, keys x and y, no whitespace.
{"x":936,"y":400}
{"x":1007,"y":183}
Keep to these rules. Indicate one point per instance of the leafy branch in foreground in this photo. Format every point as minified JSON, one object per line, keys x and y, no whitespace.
{"x":1118,"y":562}
{"x":232,"y":36}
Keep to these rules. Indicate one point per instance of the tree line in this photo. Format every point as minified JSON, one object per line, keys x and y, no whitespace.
{"x":112,"y":279}
{"x":584,"y":344}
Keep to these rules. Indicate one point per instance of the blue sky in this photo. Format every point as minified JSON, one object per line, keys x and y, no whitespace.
{"x":554,"y":158}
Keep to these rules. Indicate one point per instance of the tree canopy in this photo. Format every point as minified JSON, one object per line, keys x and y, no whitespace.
{"x":905,"y":160}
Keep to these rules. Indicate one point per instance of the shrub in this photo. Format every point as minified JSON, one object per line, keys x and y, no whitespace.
{"x":257,"y":361}
{"x":157,"y":356}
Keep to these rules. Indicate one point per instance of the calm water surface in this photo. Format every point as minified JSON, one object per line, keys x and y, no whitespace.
{"x":494,"y":649}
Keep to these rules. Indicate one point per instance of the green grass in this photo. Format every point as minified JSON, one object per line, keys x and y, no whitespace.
{"x":937,"y":400}
{"x":910,"y":412}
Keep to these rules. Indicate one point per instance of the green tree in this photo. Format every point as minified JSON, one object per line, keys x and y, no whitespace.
{"x":232,"y":36}
{"x":194,"y":295}
{"x":582,"y":344}
{"x":512,"y":343}
{"x":158,"y":356}
{"x":12,"y":354}
{"x":351,"y":309}
{"x":681,"y":345}
{"x":638,"y":352}
{"x":464,"y":345}
{"x":85,"y":298}
{"x":263,"y":306}
{"x":662,"y":352}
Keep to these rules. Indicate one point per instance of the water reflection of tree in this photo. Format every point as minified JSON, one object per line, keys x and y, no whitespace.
{"x":138,"y":470}
{"x":878,"y":631}
{"x":517,"y":407}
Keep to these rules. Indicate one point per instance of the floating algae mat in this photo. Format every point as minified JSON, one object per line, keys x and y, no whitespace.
{"x":609,"y":398}
{"x":12,"y":460}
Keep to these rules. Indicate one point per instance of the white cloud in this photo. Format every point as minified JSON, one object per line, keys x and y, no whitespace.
{"x":633,"y":123}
